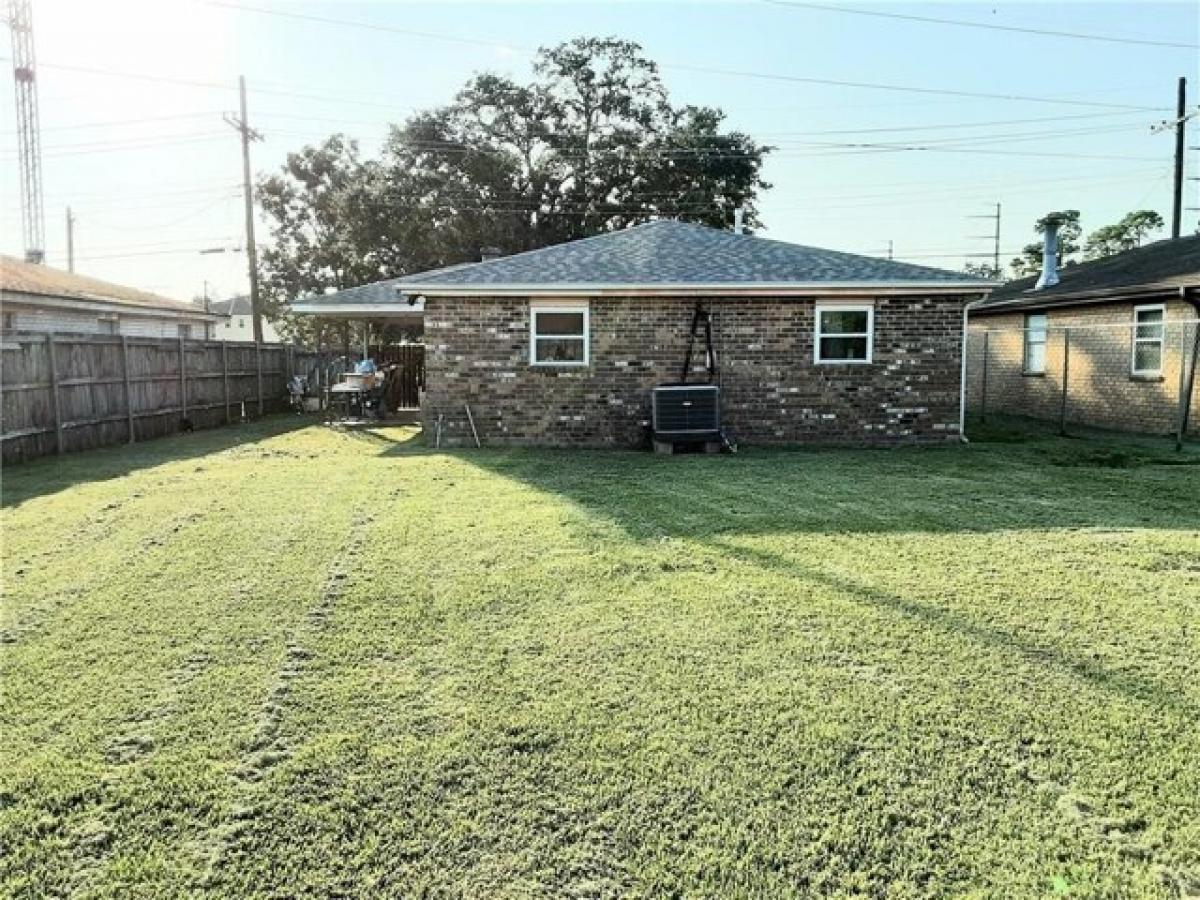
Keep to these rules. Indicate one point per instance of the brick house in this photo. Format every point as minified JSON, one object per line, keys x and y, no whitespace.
{"x":562,"y":346}
{"x":36,"y":297}
{"x":1109,"y":343}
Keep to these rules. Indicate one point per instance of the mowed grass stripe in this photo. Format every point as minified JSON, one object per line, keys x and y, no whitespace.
{"x":158,"y":671}
{"x":912,"y":674}
{"x":520,"y":732}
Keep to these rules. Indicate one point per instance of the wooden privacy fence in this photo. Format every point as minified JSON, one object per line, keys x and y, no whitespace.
{"x":65,"y":392}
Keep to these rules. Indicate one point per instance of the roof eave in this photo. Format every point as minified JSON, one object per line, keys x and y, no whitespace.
{"x":1032,"y":299}
{"x":59,"y":301}
{"x":739,"y":289}
{"x":396,"y":308}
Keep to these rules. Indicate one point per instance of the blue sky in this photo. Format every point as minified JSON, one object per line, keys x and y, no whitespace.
{"x":153,"y":172}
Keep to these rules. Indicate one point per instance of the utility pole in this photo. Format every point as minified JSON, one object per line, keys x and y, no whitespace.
{"x":70,"y":241}
{"x":994,"y":237}
{"x":1180,"y":125}
{"x":996,"y":246}
{"x":889,"y":249}
{"x":248,"y":134}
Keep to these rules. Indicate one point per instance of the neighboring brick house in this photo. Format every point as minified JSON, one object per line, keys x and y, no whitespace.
{"x":1122,"y":328}
{"x":562,"y":346}
{"x":35,"y":297}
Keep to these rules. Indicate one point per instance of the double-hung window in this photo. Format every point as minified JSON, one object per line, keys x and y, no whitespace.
{"x":1148,"y":328}
{"x":845,"y":334}
{"x":1035,"y":344}
{"x":558,"y":335}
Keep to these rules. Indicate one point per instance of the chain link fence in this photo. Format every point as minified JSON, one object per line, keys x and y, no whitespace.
{"x":1079,"y":378}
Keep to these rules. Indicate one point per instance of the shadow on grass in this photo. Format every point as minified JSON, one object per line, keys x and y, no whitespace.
{"x":978,"y":489}
{"x":1055,"y":483}
{"x":395,"y":440}
{"x":1127,"y":685}
{"x":48,"y":475}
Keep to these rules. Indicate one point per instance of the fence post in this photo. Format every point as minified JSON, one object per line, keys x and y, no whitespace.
{"x":1066,"y":372}
{"x":182,"y":380}
{"x":55,"y":403}
{"x":258,"y":374}
{"x":225,"y":378}
{"x":983,"y":380}
{"x":128,"y":387}
{"x":1185,"y":392}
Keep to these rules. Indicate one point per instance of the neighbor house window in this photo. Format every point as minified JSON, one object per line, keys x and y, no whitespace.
{"x":845,"y":334}
{"x":109,"y":325}
{"x":558,"y":335}
{"x":1148,"y":337}
{"x":1035,"y":344}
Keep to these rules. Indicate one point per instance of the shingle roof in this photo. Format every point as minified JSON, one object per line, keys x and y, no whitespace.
{"x":234,"y":306}
{"x":1162,"y":265}
{"x":21,"y":277}
{"x":666,"y":253}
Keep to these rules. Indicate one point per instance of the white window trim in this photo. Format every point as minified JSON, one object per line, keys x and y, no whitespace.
{"x":537,"y":309}
{"x":1025,"y":332}
{"x":869,"y":309}
{"x":1161,"y":340}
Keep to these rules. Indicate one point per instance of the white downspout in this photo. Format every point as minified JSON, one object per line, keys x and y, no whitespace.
{"x":962,"y":375}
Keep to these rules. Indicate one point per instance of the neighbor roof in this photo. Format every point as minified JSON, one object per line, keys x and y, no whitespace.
{"x":677,"y":257}
{"x":20,"y":277}
{"x":1163,"y":266}
{"x":234,"y":306}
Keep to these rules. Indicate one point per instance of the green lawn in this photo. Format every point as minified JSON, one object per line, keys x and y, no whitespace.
{"x":273,"y":661}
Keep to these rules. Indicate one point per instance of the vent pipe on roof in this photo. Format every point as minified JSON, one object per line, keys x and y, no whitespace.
{"x":738,"y":215}
{"x":1049,"y":276}
{"x":486,"y":253}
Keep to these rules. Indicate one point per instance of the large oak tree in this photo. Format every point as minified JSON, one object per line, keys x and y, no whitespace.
{"x":591,"y":144}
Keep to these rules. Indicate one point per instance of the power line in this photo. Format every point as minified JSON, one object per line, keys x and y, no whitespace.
{"x":770,"y":76}
{"x":956,"y":125}
{"x":148,"y":144}
{"x":120,"y":122}
{"x":991,"y":26}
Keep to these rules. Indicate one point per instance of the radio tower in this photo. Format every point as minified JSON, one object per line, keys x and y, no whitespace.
{"x":33,"y":223}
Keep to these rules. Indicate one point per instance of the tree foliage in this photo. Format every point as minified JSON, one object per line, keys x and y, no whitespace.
{"x":983,"y":270}
{"x":591,"y":144}
{"x":1128,"y":233}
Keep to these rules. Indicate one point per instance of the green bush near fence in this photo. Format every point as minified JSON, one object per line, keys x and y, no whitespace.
{"x":273,"y":661}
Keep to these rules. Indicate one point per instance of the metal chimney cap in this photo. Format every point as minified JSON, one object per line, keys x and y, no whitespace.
{"x":1049,"y":276}
{"x":486,"y":253}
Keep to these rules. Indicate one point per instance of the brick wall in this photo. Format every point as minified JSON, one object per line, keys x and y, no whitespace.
{"x":1101,"y":388}
{"x":477,"y":352}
